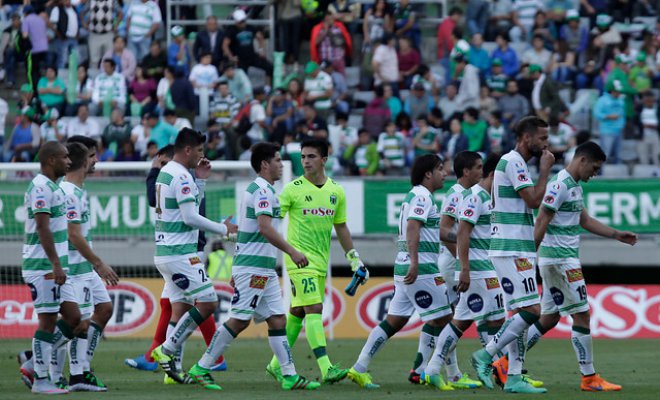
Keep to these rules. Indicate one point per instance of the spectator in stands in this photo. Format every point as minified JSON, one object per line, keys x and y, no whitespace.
{"x":376,"y":114}
{"x":164,"y":132}
{"x":393,"y":103}
{"x":52,"y":128}
{"x":523,"y":14}
{"x":341,"y":135}
{"x":478,"y":56}
{"x":141,"y":134}
{"x":51,"y":90}
{"x":432,"y":82}
{"x":239,"y":83}
{"x":506,"y":54}
{"x":455,"y":141}
{"x":499,"y":18}
{"x":215,"y":141}
{"x":258,"y":130}
{"x":576,"y":36}
{"x":391,"y":147}
{"x":142,"y":21}
{"x":589,"y":77}
{"x":558,"y":9}
{"x":467,"y":77}
{"x":295,"y":92}
{"x":641,"y":74}
{"x":209,"y":41}
{"x":648,"y":148}
{"x":436,"y":119}
{"x":404,"y":125}
{"x":163,"y":90}
{"x":496,"y":80}
{"x":346,"y":12}
{"x":65,"y":23}
{"x":117,"y":133}
{"x":25,"y":138}
{"x":9,"y":55}
{"x":142,"y":93}
{"x":155,"y":62}
{"x":289,"y":24}
{"x":340,"y":92}
{"x":362,"y":156}
{"x":331,"y":41}
{"x":83,"y":91}
{"x":82,"y":125}
{"x":377,"y":21}
{"x":385,"y":64}
{"x":537,"y":54}
{"x":279,"y":116}
{"x":476,"y":16}
{"x":33,"y":31}
{"x":426,"y":139}
{"x":183,"y":97}
{"x":318,"y":89}
{"x":101,"y":20}
{"x":621,"y":73}
{"x":124,"y":59}
{"x":545,"y":95}
{"x":544,"y":28}
{"x":409,"y":61}
{"x":606,"y":33}
{"x":475,"y":131}
{"x":238,"y":46}
{"x":562,"y":66}
{"x":560,"y":136}
{"x":311,"y":121}
{"x":513,"y":105}
{"x":109,"y":87}
{"x":224,"y":106}
{"x":496,"y":132}
{"x":419,"y":102}
{"x":405,"y":22}
{"x":487,"y":103}
{"x":449,"y":103}
{"x":610,"y":113}
{"x":127,"y":153}
{"x":204,"y":75}
{"x":179,"y":57}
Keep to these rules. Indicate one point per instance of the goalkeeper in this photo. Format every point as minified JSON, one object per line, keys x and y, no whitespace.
{"x":315,"y":204}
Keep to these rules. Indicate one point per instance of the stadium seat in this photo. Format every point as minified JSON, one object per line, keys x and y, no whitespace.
{"x":363,"y":97}
{"x":257,"y":77}
{"x":353,"y":77}
{"x":628,"y":152}
{"x":489,"y":47}
{"x":355,"y":121}
{"x":615,"y":171}
{"x":646,"y":171}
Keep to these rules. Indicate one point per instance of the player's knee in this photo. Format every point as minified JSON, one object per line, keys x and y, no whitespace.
{"x":102,"y":313}
{"x":581,"y":319}
{"x":47,"y":322}
{"x":207,"y":308}
{"x":71,"y":315}
{"x":237,"y":325}
{"x":462,"y":325}
{"x":396,"y":322}
{"x":534,"y":309}
{"x":276,"y":322}
{"x":314,"y":309}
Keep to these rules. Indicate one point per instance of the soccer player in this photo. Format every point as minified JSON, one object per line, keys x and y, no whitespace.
{"x":480,"y":297}
{"x":257,"y":292}
{"x":557,"y":231}
{"x":467,"y":167}
{"x":512,"y":251}
{"x":45,"y":264}
{"x":315,"y":204}
{"x":178,"y":223}
{"x":418,"y":284}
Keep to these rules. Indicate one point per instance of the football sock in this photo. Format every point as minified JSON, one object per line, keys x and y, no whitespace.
{"x":221,"y":340}
{"x":42,"y":344}
{"x":581,"y":340}
{"x":293,"y":327}
{"x":377,"y":337}
{"x":316,"y":339}
{"x":77,"y":354}
{"x":186,"y":326}
{"x":94,"y":333}
{"x":451,"y":364}
{"x":445,"y":345}
{"x":161,"y":328}
{"x":427,"y":338}
{"x":517,"y":354}
{"x":512,"y":329}
{"x":534,"y":334}
{"x":56,"y":367}
{"x":482,"y":331}
{"x":280,"y":346}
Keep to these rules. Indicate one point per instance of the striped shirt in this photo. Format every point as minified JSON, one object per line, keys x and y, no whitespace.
{"x":419,"y":206}
{"x":475,"y":209}
{"x":512,"y":231}
{"x":254,"y":254}
{"x":392,"y":147}
{"x":44,"y":196}
{"x":526,"y":10}
{"x":174,"y":239}
{"x":318,"y":86}
{"x":142,"y":15}
{"x":77,"y":212}
{"x":561,"y":243}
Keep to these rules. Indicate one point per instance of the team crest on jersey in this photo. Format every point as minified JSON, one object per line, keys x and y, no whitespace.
{"x":333,"y":199}
{"x":556,"y":186}
{"x":522,"y":178}
{"x":574,"y":275}
{"x":468,"y":213}
{"x":549,"y":199}
{"x":523,"y":264}
{"x":39,"y":190}
{"x":439,"y":280}
{"x":258,"y":282}
{"x":418,"y":210}
{"x":39,"y":204}
{"x":194,"y":260}
{"x":264,"y":204}
{"x":185,"y":190}
{"x":71,"y":215}
{"x":492,"y":283}
{"x":450,"y":210}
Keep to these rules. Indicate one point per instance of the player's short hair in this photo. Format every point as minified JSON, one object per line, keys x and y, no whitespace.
{"x":491,"y":164}
{"x":48,"y":150}
{"x":591,"y":150}
{"x":465,"y":159}
{"x":84,"y":140}
{"x":77,"y":154}
{"x":264,"y":151}
{"x":530,"y":125}
{"x":188,"y":137}
{"x":421,"y":165}
{"x":167,"y":151}
{"x":319,"y":144}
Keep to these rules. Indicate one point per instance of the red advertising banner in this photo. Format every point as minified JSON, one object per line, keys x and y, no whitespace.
{"x":617,"y":311}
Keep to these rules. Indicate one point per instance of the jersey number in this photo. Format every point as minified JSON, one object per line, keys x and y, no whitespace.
{"x":255,"y":301}
{"x":499,"y":300}
{"x":530,"y":285}
{"x":582,"y":292}
{"x":88,"y":294}
{"x":308,"y":285}
{"x":56,"y":293}
{"x":203,"y":274}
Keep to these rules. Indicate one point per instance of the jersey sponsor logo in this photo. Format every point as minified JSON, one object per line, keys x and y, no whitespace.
{"x":39,"y":204}
{"x":308,"y":198}
{"x":522,"y":177}
{"x":418,"y":210}
{"x":185,"y":190}
{"x":373,"y":305}
{"x":319,"y":212}
{"x":574,"y":275}
{"x":475,"y":302}
{"x":492,"y":283}
{"x":557,"y":296}
{"x":507,"y":286}
{"x":264,"y":204}
{"x":523,"y":264}
{"x":423,"y":299}
{"x":71,"y":215}
{"x":181,"y":281}
{"x":439,"y":280}
{"x":194,"y":260}
{"x":258,"y":282}
{"x":549,"y":199}
{"x":468,"y":213}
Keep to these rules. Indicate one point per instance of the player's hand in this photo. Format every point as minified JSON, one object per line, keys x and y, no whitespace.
{"x":353,"y":258}
{"x":231,"y":228}
{"x":58,"y":275}
{"x":547,"y":161}
{"x":411,"y":276}
{"x":463,"y":281}
{"x":626,"y":237}
{"x":155,"y":163}
{"x":299,"y":259}
{"x":232,"y":283}
{"x":203,"y":169}
{"x":107,"y":274}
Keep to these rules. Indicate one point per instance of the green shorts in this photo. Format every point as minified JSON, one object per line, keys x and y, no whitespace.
{"x":307,"y":288}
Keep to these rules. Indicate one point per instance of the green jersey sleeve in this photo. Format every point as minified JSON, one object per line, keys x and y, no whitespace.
{"x":340,"y":214}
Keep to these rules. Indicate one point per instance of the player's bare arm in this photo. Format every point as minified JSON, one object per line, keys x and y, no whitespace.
{"x":78,"y":240}
{"x":598,"y":228}
{"x":463,"y":248}
{"x":541,"y":224}
{"x":533,"y":195}
{"x":412,"y":240}
{"x":448,"y":237}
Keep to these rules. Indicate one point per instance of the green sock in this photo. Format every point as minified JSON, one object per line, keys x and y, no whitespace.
{"x":316,"y":339}
{"x":293,"y":328}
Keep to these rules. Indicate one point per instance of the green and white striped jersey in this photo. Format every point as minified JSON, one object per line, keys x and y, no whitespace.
{"x":77,"y":212}
{"x":142,"y":16}
{"x":44,"y":196}
{"x":174,"y":239}
{"x":512,"y":230}
{"x":452,"y":201}
{"x":254,"y":254}
{"x":392,"y":148}
{"x":420,"y":206}
{"x":561,"y":242}
{"x":475,"y":208}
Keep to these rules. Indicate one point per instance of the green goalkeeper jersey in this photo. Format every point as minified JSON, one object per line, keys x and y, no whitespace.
{"x":313,"y":211}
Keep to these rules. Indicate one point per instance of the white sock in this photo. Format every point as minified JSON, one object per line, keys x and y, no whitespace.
{"x":57,"y":358}
{"x":427,"y":339}
{"x":484,"y":337}
{"x":77,"y":356}
{"x":517,"y":354}
{"x":445,"y":345}
{"x":377,"y":338}
{"x":511,"y":329}
{"x":222,"y":338}
{"x":451,"y":365}
{"x":178,"y":357}
{"x":582,"y":344}
{"x":94,"y":333}
{"x":41,"y":353}
{"x":280,"y":346}
{"x":534,"y":334}
{"x":184,"y":328}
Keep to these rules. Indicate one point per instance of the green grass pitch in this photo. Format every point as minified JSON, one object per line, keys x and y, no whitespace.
{"x":631,"y":363}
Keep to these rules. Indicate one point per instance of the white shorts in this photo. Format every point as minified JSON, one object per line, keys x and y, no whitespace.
{"x":564,"y":289}
{"x":256,"y":296}
{"x":165,"y":294}
{"x":482,"y":301}
{"x":518,"y":279}
{"x":47,"y":296}
{"x":426,"y":296}
{"x":90,"y":292}
{"x":447,"y":268}
{"x":186,"y":281}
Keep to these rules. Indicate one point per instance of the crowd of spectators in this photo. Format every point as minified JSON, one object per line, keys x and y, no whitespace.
{"x":100,"y":68}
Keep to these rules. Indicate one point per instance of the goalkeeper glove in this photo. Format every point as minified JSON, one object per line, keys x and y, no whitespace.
{"x":354,"y":259}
